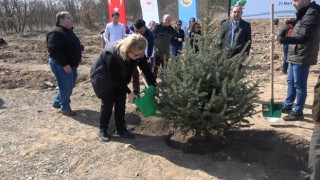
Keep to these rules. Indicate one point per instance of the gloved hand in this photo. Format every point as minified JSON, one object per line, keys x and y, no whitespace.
{"x":149,"y":60}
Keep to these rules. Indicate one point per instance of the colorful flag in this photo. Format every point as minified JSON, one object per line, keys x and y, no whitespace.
{"x":120,"y":6}
{"x":187,"y":10}
{"x":149,"y":10}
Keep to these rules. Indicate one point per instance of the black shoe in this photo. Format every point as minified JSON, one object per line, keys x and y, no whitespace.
{"x":125,"y":134}
{"x":104,"y":136}
{"x":56,"y":106}
{"x":294,"y":116}
{"x":69,"y":113}
{"x":286,"y":110}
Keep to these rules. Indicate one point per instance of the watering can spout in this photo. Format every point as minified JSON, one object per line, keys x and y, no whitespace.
{"x":147,"y":103}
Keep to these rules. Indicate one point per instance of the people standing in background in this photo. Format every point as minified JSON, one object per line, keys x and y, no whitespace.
{"x":195,"y":30}
{"x":115,"y":30}
{"x":139,"y":27}
{"x":64,"y":58}
{"x":110,"y":75}
{"x":178,"y":39}
{"x":303,"y":52}
{"x":229,"y":30}
{"x":191,"y":23}
{"x":163,"y":33}
{"x":152,"y":25}
{"x":286,"y":30}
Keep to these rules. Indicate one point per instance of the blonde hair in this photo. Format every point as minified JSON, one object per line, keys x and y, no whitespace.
{"x":133,"y":42}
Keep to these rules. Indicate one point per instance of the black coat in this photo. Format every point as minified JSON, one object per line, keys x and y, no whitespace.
{"x":243,"y":38}
{"x":304,"y":42}
{"x":64,"y":46}
{"x":110,"y":71}
{"x":162,"y":40}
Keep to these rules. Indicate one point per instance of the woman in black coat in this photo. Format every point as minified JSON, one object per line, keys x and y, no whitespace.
{"x":111,"y":73}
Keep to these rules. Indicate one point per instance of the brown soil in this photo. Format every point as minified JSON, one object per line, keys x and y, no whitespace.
{"x":38,"y":142}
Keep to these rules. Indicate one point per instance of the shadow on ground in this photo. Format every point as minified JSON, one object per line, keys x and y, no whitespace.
{"x":280,"y":154}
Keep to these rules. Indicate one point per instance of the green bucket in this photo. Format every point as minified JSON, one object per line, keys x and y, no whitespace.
{"x":147,"y":103}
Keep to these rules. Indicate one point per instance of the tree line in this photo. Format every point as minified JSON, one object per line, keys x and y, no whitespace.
{"x":36,"y":15}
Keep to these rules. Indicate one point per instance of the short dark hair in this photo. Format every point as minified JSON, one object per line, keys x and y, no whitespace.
{"x":193,"y":19}
{"x":179,"y":22}
{"x":139,"y":23}
{"x":115,"y":14}
{"x":61,"y":15}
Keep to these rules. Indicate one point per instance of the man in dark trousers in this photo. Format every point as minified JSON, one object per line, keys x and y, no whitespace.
{"x":139,"y":27}
{"x":163,"y":33}
{"x":233,"y":28}
{"x":303,"y":52}
{"x":314,"y":152}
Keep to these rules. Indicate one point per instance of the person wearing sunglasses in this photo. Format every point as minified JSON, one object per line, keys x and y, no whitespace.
{"x":178,"y":38}
{"x":111,"y":73}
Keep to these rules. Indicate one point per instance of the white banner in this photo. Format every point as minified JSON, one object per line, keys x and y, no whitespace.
{"x":259,"y":9}
{"x":149,"y":11}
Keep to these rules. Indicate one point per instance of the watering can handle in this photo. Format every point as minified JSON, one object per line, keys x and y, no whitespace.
{"x":143,"y":79}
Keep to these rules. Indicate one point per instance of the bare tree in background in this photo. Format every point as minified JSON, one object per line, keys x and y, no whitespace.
{"x":88,"y":13}
{"x":39,"y":15}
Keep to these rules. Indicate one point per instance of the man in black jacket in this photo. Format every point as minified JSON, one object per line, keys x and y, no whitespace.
{"x":235,"y":33}
{"x":163,"y":33}
{"x":64,"y":57}
{"x":139,"y":27}
{"x":303,"y":52}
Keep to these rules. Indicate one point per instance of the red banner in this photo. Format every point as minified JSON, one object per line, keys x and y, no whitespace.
{"x":120,"y":6}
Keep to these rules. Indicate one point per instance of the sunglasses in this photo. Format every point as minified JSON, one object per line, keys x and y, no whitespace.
{"x":178,"y":24}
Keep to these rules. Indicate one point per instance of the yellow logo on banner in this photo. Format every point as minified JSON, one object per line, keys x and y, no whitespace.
{"x":186,"y":3}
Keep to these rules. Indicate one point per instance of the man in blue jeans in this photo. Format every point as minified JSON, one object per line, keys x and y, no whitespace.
{"x":64,"y":57}
{"x":303,"y":52}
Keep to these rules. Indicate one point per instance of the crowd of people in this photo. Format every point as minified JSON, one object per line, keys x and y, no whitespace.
{"x":149,"y":48}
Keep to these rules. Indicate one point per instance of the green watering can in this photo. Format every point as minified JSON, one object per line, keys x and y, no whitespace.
{"x":147,"y":103}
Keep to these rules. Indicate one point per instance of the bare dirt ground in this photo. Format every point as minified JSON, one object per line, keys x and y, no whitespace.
{"x":38,"y":142}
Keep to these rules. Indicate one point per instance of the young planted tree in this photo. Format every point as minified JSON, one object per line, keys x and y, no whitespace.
{"x":206,"y":92}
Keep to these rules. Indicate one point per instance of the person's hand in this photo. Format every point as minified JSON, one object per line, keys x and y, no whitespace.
{"x":274,"y":37}
{"x":149,"y":60}
{"x":67,"y":69}
{"x":132,"y":97}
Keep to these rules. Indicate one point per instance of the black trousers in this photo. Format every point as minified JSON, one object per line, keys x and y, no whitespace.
{"x":158,"y":62}
{"x":117,"y":99}
{"x":314,"y":153}
{"x":136,"y":81}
